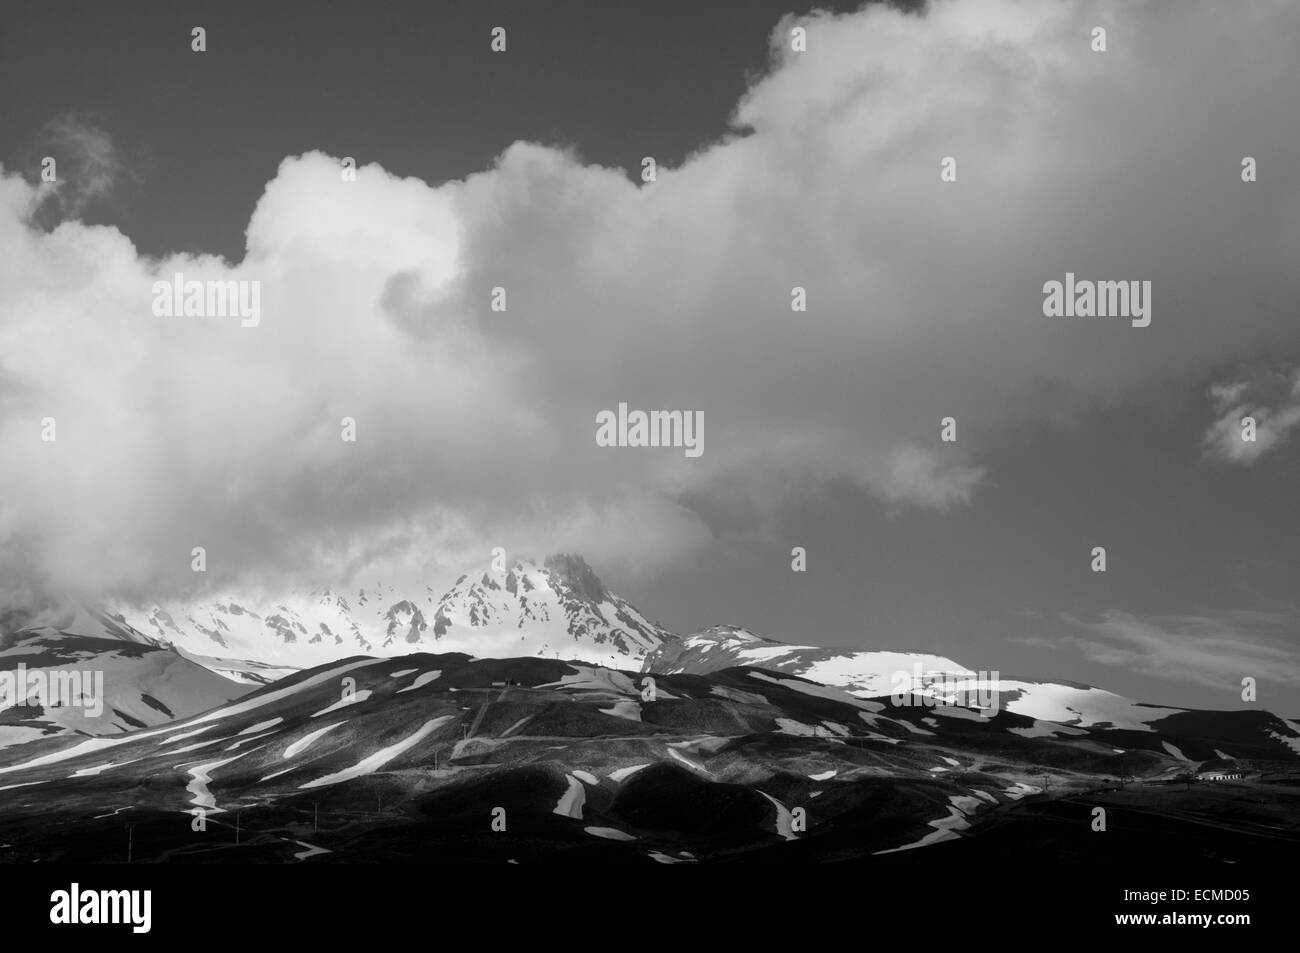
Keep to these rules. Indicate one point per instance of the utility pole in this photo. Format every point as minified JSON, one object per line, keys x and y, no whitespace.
{"x":130,"y":830}
{"x":315,"y":815}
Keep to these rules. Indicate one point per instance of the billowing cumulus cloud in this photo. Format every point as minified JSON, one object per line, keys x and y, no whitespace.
{"x":475,"y":427}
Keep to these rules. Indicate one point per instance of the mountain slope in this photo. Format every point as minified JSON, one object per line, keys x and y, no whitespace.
{"x":413,"y":759}
{"x":870,"y":674}
{"x":120,"y":685}
{"x":864,"y":673}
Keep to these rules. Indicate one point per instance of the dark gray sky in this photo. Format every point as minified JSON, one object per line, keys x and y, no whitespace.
{"x":822,"y":429}
{"x":409,"y":84}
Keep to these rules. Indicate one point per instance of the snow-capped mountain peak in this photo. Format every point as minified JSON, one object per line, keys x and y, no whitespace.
{"x":556,"y":609}
{"x":559,"y":609}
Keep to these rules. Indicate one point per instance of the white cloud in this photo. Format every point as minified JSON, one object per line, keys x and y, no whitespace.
{"x":1213,"y":650}
{"x":1271,"y":398}
{"x":476,"y":428}
{"x":918,"y":477}
{"x":87,"y":162}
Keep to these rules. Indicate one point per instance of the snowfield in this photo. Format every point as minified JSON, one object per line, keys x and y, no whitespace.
{"x":623,"y":774}
{"x":571,"y":801}
{"x":424,"y":678}
{"x":306,"y":741}
{"x":380,"y":758}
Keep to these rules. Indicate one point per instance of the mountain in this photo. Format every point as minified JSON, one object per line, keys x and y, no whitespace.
{"x":559,"y":609}
{"x":243,"y":671}
{"x":724,"y":746}
{"x":865,"y":673}
{"x":78,"y":619}
{"x":96,"y":684}
{"x":875,"y":674}
{"x":1071,"y":703}
{"x":416,"y":758}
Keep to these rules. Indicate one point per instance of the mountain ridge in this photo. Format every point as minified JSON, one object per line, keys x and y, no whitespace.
{"x":558,"y":608}
{"x":408,"y":758}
